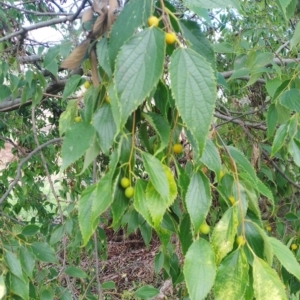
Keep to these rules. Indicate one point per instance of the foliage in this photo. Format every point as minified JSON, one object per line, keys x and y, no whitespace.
{"x":205,"y":130}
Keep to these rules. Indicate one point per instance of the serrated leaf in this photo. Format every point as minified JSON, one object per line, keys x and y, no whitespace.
{"x":102,"y":55}
{"x":296,"y":36}
{"x":75,"y":272}
{"x":290,"y":99}
{"x":119,"y":204}
{"x":50,"y":62}
{"x":199,"y":42}
{"x":27,"y":261}
{"x":285,"y":256}
{"x":67,"y":117}
{"x":157,"y":205}
{"x":19,"y":287}
{"x":140,"y":203}
{"x":139,"y":66}
{"x":265,"y":191}
{"x":198,"y":199}
{"x":13,"y":264}
{"x":78,"y":139}
{"x":90,"y":154}
{"x":232,"y":277}
{"x":294,"y":150}
{"x":267,"y":284}
{"x":185,"y":234}
{"x":133,"y":15}
{"x":57,"y":234}
{"x":254,"y":238}
{"x":279,"y":138}
{"x":71,"y":86}
{"x":211,"y":157}
{"x":30,"y":229}
{"x":196,"y":108}
{"x":4,"y":92}
{"x":156,"y":173}
{"x":47,"y":294}
{"x":223,"y":235}
{"x":212,"y":3}
{"x":105,"y":126}
{"x":271,"y":120}
{"x":44,"y":252}
{"x":162,"y":128}
{"x":199,"y":269}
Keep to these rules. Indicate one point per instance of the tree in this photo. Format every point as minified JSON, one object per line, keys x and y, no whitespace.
{"x":171,"y":118}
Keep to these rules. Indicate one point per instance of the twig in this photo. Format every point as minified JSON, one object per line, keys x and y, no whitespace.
{"x":11,"y":218}
{"x":23,"y":161}
{"x":99,"y":289}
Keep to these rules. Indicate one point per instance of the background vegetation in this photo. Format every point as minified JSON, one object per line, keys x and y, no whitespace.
{"x":171,"y":122}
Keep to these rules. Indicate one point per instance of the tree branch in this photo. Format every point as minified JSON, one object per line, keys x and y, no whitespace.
{"x":23,"y":161}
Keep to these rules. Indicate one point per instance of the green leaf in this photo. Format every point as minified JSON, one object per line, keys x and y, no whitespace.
{"x":13,"y":264}
{"x":212,"y":3}
{"x":242,"y":162}
{"x":254,"y":238}
{"x":223,"y":47}
{"x":185,"y":234}
{"x":223,"y":235}
{"x":290,"y":99}
{"x":47,"y":294}
{"x":44,"y":252}
{"x":196,"y":108}
{"x":71,"y":86}
{"x":211,"y":157}
{"x":134,"y":14}
{"x":19,"y":287}
{"x":279,"y":138}
{"x":162,"y":128}
{"x":294,"y":150}
{"x":105,"y":126}
{"x":50,"y":62}
{"x":102,"y":55}
{"x":192,"y":32}
{"x":199,"y":269}
{"x":139,"y":66}
{"x":264,"y":190}
{"x":75,"y":272}
{"x":67,"y":117}
{"x":27,"y":261}
{"x":91,"y":154}
{"x":156,"y":173}
{"x":84,"y":212}
{"x":157,"y":205}
{"x":286,"y":257}
{"x":296,"y":37}
{"x":198,"y":199}
{"x":4,"y":92}
{"x":2,"y":287}
{"x":162,"y":98}
{"x":283,"y":4}
{"x":30,"y":229}
{"x":78,"y":139}
{"x":57,"y":234}
{"x":146,"y":292}
{"x":232,"y":277}
{"x":119,"y":204}
{"x":108,"y":285}
{"x":140,"y":203}
{"x":267,"y":284}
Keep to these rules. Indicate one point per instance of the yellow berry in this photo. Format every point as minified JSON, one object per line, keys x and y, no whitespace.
{"x":268,"y":228}
{"x":153,"y":21}
{"x":107,"y":100}
{"x":170,"y":38}
{"x":231,"y":200}
{"x":204,"y":228}
{"x":129,"y":192}
{"x":86,"y":85}
{"x":125,"y":182}
{"x":77,"y":119}
{"x":221,"y":174}
{"x":240,"y":240}
{"x":177,"y":148}
{"x":294,"y":246}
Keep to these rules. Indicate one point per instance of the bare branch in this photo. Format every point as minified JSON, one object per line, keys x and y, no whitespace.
{"x":23,"y":161}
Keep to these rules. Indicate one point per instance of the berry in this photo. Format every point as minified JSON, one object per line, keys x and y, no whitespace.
{"x":240,"y":240}
{"x":129,"y":192}
{"x":204,"y":228}
{"x":107,"y":100}
{"x":86,"y":85}
{"x":170,"y":38}
{"x":125,"y":182}
{"x":294,"y":246}
{"x":77,"y":119}
{"x":177,"y":148}
{"x":221,"y":174}
{"x":268,"y":228}
{"x":153,"y":21}
{"x":231,"y":200}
